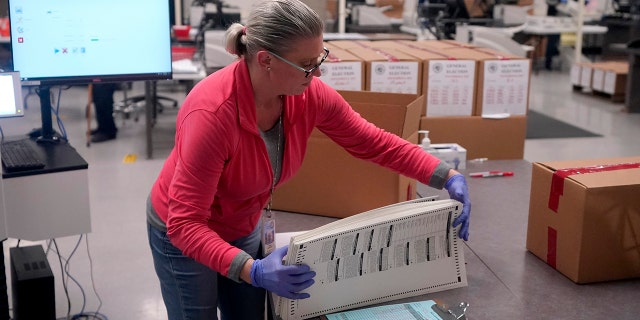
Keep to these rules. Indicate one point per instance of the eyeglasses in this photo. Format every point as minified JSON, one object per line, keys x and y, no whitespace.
{"x":307,"y":72}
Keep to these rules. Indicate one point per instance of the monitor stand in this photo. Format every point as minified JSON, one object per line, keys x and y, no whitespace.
{"x":47,"y":135}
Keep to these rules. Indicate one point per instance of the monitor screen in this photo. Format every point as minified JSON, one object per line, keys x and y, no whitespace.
{"x":79,"y":41}
{"x":10,"y":95}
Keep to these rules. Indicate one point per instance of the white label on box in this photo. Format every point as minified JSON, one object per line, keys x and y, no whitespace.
{"x":451,"y":88}
{"x":610,"y":82}
{"x":342,"y":75}
{"x":597,"y":83}
{"x":585,"y":77}
{"x":575,"y":74}
{"x":395,"y":77}
{"x":505,"y":87}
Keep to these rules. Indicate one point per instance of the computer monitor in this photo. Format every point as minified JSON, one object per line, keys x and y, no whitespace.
{"x":65,"y":42}
{"x":11,"y":103}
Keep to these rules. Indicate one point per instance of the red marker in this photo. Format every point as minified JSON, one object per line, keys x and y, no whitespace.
{"x":488,"y":174}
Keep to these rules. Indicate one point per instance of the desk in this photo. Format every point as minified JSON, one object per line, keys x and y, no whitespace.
{"x":51,"y":202}
{"x":540,"y":27}
{"x":545,"y":26}
{"x":505,"y":280}
{"x":47,"y":203}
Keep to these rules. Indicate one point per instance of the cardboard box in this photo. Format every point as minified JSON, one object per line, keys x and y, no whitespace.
{"x":349,"y":44}
{"x":503,"y":81}
{"x":483,"y":138}
{"x":608,"y":77}
{"x":343,"y":71}
{"x":615,"y":79}
{"x":395,"y":8}
{"x":389,"y":70}
{"x":585,"y":225}
{"x":597,"y":76}
{"x":440,"y":44}
{"x":333,"y":183}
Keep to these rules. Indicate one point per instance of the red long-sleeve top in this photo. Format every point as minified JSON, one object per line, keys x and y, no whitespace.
{"x":218,"y":177}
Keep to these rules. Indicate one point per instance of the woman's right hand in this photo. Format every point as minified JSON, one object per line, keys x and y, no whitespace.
{"x":286,"y":281}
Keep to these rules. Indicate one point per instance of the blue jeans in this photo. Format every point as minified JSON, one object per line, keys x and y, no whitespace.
{"x":192,"y":291}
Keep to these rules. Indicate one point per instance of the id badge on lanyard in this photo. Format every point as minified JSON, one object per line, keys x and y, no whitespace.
{"x":268,"y":222}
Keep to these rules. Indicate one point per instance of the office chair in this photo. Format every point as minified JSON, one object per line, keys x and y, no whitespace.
{"x":134,"y":106}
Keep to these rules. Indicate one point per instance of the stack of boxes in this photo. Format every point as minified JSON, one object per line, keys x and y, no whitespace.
{"x":608,"y":78}
{"x":474,"y":97}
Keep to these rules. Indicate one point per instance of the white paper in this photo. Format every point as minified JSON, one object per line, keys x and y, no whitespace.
{"x":575,"y":74}
{"x":395,"y":77}
{"x":505,"y":87}
{"x":451,"y":88}
{"x":598,"y":79}
{"x":610,"y":82}
{"x":585,"y":77}
{"x":421,"y":310}
{"x":342,"y":75}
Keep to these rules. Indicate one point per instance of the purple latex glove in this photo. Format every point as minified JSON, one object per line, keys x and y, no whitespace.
{"x":286,"y":281}
{"x":458,"y":190}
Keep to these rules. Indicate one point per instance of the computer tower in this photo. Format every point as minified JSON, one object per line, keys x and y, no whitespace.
{"x":32,"y":284}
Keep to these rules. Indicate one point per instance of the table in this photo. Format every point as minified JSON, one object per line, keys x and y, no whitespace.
{"x":505,"y":280}
{"x":540,"y":27}
{"x":150,"y":90}
{"x":46,"y":203}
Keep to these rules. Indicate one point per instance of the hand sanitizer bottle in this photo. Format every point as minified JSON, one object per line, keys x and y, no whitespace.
{"x":426,"y":142}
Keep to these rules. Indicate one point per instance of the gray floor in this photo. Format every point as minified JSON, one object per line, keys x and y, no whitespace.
{"x":120,"y":263}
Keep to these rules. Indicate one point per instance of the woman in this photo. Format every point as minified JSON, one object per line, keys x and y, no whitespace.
{"x":240,"y":133}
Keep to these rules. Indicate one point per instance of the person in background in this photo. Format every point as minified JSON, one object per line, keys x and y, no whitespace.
{"x":240,"y":133}
{"x":102,"y":95}
{"x":553,"y":40}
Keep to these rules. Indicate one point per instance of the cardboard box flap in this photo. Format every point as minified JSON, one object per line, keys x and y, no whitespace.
{"x":340,"y":55}
{"x":378,"y":54}
{"x":389,"y":117}
{"x":396,"y":113}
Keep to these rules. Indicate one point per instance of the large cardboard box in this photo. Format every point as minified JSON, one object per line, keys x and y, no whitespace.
{"x":390,"y":70}
{"x":333,"y":183}
{"x":343,"y":71}
{"x":584,"y":218}
{"x":483,"y":138}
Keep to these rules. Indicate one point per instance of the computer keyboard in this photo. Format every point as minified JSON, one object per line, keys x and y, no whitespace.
{"x":19,"y":155}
